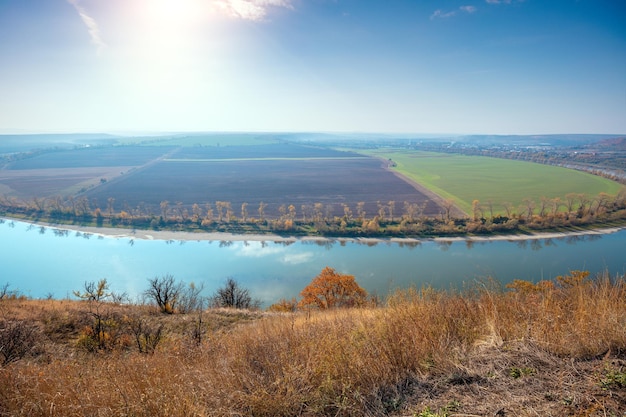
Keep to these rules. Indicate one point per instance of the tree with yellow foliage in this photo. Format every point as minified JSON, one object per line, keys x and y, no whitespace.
{"x":330,"y":289}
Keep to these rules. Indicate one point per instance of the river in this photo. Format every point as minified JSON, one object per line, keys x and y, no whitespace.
{"x":47,"y":262}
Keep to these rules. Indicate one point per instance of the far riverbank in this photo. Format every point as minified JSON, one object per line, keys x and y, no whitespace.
{"x":169,"y":235}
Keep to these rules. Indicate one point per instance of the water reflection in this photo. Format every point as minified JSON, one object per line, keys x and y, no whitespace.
{"x":274,"y":270}
{"x":444,"y":245}
{"x":535,"y":244}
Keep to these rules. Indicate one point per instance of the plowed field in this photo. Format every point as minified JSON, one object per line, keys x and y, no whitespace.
{"x":272,"y":174}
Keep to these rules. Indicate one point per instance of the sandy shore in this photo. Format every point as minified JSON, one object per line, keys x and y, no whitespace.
{"x":230,"y":237}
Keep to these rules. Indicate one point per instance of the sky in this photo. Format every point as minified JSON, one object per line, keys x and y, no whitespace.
{"x":386,"y":66}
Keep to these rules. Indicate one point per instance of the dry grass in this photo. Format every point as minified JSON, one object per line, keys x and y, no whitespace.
{"x":548,"y":349}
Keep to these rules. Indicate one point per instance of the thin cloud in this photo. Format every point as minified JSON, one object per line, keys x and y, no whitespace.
{"x":503,"y":1}
{"x":92,"y":25}
{"x":250,"y":9}
{"x":440,"y":14}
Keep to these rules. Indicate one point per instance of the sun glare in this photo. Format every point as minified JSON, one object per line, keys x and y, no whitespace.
{"x":174,"y":12}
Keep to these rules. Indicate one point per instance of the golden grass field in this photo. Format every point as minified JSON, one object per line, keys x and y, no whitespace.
{"x":547,"y":349}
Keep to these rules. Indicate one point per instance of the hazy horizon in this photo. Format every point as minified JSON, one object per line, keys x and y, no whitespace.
{"x":416,"y":135}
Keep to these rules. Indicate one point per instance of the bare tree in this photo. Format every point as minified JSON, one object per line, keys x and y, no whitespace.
{"x":110,"y":208}
{"x":4,"y":291}
{"x":147,"y":336}
{"x":529,"y":205}
{"x":18,"y":338}
{"x":543,"y":204}
{"x":191,"y":299}
{"x":570,"y":199}
{"x":165,"y":292}
{"x":232,"y":295}
{"x":508,"y":207}
{"x":490,"y":207}
{"x":410,"y":210}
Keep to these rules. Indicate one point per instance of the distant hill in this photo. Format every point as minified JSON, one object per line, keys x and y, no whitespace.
{"x":559,"y":140}
{"x":23,"y":143}
{"x":613,"y":144}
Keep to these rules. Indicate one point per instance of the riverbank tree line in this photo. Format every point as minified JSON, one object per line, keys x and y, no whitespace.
{"x":392,"y":219}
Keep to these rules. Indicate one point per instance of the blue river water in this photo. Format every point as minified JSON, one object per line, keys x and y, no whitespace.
{"x":43,"y":261}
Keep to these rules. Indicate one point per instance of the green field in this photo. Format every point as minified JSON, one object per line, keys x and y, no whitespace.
{"x":467,"y":178}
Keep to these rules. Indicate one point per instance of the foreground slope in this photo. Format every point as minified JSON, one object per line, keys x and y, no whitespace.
{"x":550,"y":349}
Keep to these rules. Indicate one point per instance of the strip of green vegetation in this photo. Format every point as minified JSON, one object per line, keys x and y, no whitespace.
{"x":294,"y":158}
{"x":222,"y":139}
{"x":466,"y":178}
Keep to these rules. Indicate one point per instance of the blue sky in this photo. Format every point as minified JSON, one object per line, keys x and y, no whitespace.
{"x":410,"y":66}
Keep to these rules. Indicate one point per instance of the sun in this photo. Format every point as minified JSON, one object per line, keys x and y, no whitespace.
{"x":174,"y":12}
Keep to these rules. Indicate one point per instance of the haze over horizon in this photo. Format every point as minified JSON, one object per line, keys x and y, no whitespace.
{"x":399,"y":66}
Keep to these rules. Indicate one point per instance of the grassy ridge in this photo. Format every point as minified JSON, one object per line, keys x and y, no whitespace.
{"x":552,"y":348}
{"x":466,"y":178}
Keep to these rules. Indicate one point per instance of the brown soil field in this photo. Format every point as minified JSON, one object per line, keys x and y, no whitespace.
{"x":92,"y":157}
{"x":272,"y":174}
{"x":29,"y":183}
{"x":332,"y":182}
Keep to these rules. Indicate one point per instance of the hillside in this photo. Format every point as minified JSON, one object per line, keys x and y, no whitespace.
{"x":551,"y":349}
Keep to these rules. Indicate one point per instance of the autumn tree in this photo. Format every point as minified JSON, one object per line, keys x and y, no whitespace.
{"x":98,"y":334}
{"x":196,"y":213}
{"x":476,"y":210}
{"x":330,"y":289}
{"x":391,"y":206}
{"x":347,"y":213}
{"x":262,"y":207}
{"x":360,"y":210}
{"x":447,"y":206}
{"x":110,"y":208}
{"x":244,"y":212}
{"x":164,"y":205}
{"x":292,"y":212}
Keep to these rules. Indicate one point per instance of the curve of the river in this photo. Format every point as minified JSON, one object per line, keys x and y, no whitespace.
{"x":41,"y":261}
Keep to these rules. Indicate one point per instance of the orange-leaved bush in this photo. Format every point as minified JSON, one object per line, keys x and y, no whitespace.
{"x":330,"y":289}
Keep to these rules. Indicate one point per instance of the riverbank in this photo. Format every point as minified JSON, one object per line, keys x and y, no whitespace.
{"x":169,"y":235}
